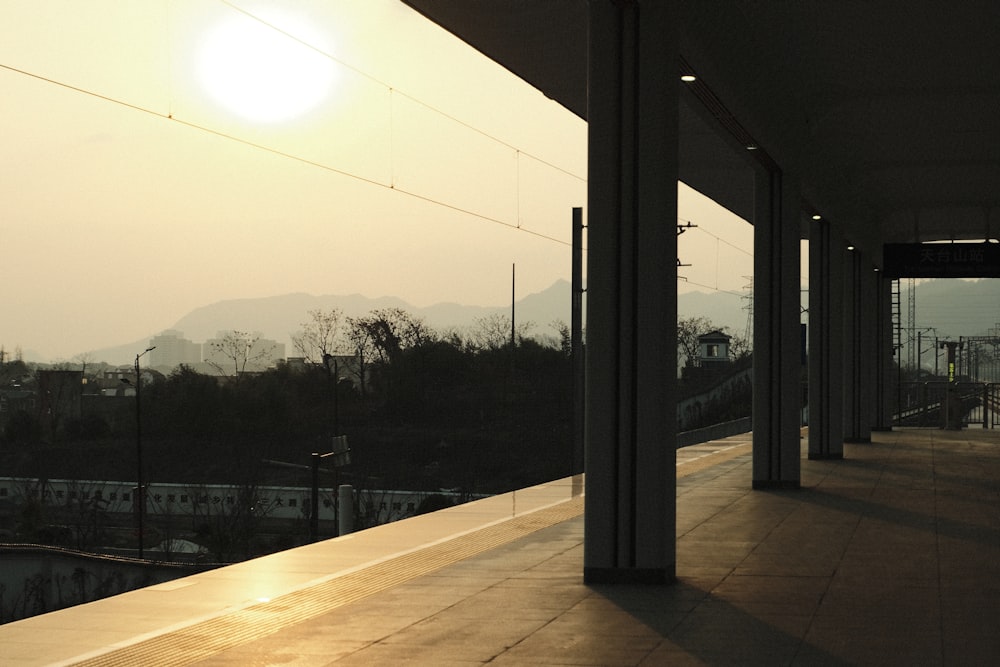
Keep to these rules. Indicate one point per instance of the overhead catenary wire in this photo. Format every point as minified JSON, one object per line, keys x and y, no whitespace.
{"x":397,"y":91}
{"x":700,"y":227}
{"x":685,"y":225}
{"x":274,"y":151}
{"x":714,"y":289}
{"x":392,"y":185}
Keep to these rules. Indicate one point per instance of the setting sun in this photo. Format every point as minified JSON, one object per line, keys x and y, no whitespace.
{"x":263,"y":73}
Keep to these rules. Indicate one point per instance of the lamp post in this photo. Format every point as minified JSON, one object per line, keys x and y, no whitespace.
{"x":335,"y":377}
{"x":141,"y":489}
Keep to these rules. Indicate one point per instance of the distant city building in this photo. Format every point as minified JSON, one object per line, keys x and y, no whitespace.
{"x":15,"y":399}
{"x":171,"y":349}
{"x":347,"y":368}
{"x":296,"y":364}
{"x":230,"y":352}
{"x":120,"y":381}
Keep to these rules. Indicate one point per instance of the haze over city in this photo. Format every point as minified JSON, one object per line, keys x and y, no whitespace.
{"x":161,"y":157}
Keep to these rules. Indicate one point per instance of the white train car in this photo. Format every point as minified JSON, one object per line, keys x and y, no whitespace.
{"x":208,"y":500}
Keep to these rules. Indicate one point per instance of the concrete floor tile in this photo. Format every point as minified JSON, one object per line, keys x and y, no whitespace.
{"x":524,"y":603}
{"x":771,"y":595}
{"x":886,"y":564}
{"x":617,"y":623}
{"x":680,"y":596}
{"x":713,"y":553}
{"x":979,"y":650}
{"x":362,"y":624}
{"x":552,"y":645}
{"x":867,"y":640}
{"x":887,"y":598}
{"x":668,"y":653}
{"x":722,"y":634}
{"x":377,"y":655}
{"x":808,"y":561}
{"x":458,"y":637}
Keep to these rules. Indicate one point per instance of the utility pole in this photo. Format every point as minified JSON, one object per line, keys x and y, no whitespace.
{"x":140,"y":492}
{"x":911,"y":312}
{"x":576,"y":346}
{"x":513,"y":305}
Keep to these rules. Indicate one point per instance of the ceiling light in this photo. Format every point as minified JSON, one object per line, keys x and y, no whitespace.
{"x":817,"y":216}
{"x":850,"y":247}
{"x":688,"y":78}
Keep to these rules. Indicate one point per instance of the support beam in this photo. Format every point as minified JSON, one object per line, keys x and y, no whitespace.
{"x":776,"y":350}
{"x":870,"y":358}
{"x":826,"y":346}
{"x":632,"y":294}
{"x":885,"y":372}
{"x":858,"y":347}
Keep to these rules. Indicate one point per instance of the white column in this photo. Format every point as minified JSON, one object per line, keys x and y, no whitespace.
{"x":632,"y":294}
{"x":885,"y":374}
{"x":870,"y":357}
{"x":826,"y":347}
{"x":858,"y":348}
{"x":777,"y":345}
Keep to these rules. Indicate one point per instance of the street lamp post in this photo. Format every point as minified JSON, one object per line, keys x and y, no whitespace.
{"x":141,"y":489}
{"x":335,"y":377}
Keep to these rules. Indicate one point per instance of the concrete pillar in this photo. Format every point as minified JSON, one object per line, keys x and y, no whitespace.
{"x":868,"y":336}
{"x":630,"y":510}
{"x":885,"y":372}
{"x":852,"y":347}
{"x":345,"y":503}
{"x":826,"y":345}
{"x":858,"y":347}
{"x":777,"y":334}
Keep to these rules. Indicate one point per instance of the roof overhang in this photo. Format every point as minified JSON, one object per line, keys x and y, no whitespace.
{"x":885,"y":112}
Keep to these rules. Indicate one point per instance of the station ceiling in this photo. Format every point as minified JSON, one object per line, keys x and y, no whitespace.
{"x":888,"y":112}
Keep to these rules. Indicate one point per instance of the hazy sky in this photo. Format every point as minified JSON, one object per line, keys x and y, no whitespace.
{"x":160,"y":156}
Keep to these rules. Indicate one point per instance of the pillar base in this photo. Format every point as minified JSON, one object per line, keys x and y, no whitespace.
{"x":859,"y":441}
{"x":776,"y":484}
{"x":826,"y":457}
{"x":628,"y":575}
{"x":882,"y":429}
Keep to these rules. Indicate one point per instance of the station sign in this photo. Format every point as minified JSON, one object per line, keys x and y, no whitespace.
{"x":941,"y":260}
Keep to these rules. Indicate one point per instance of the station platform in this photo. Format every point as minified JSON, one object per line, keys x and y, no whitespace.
{"x":890,"y":556}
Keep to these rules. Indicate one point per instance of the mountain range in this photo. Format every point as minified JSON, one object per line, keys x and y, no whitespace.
{"x":279,"y":317}
{"x":943,"y":308}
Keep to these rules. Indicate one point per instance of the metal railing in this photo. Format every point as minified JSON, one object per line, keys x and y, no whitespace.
{"x":940,"y":404}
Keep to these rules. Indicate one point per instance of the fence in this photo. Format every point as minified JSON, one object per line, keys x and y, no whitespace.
{"x":942,"y":404}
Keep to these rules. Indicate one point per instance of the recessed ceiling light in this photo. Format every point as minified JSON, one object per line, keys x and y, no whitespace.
{"x":850,"y":247}
{"x":688,"y":78}
{"x":752,"y":147}
{"x":817,"y":217}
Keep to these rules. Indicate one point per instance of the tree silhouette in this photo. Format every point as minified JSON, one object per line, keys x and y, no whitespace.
{"x":321,"y":336}
{"x":235,"y":351}
{"x":493,"y":332}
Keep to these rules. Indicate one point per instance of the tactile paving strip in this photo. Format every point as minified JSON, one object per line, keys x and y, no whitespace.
{"x":207,"y":638}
